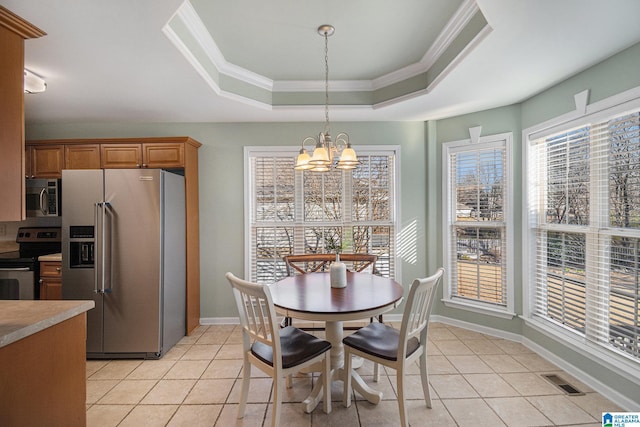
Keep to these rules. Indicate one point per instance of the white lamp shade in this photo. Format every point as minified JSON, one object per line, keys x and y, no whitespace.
{"x":302,"y":162}
{"x":349,"y":156}
{"x":320,"y":156}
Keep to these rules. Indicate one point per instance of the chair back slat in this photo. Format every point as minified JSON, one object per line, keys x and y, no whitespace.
{"x":257,"y":314}
{"x":311,"y":263}
{"x":418,"y":309}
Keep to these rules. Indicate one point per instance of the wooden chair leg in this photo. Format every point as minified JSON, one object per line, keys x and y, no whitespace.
{"x":244,"y":392}
{"x":424,"y":378}
{"x":289,"y":382}
{"x":347,"y":377}
{"x":277,"y":400}
{"x":327,"y":384}
{"x":401,"y":399}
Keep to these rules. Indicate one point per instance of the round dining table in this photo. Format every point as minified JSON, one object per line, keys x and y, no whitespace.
{"x":311,"y":297}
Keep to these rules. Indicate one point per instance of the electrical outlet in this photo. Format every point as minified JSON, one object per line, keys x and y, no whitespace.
{"x":3,"y":229}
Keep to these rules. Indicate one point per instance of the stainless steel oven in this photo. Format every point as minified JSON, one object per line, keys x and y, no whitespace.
{"x":17,"y":282}
{"x":20,"y":270}
{"x":43,"y":197}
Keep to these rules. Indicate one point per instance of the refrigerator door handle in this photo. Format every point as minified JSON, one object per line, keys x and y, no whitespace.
{"x":98,"y":263}
{"x":106,"y":259}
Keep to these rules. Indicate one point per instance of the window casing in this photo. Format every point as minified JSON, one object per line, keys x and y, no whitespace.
{"x":300,"y":212}
{"x":583,"y":221}
{"x":477,"y":225}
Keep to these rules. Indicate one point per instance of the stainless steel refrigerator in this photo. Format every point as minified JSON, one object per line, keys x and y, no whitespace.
{"x":123,"y":246}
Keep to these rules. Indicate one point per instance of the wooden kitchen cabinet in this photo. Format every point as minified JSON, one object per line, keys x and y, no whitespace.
{"x":144,"y":155}
{"x":176,"y":152}
{"x":51,"y":280}
{"x":82,"y":156}
{"x":43,"y":380}
{"x":164,"y":156}
{"x":46,"y":161}
{"x":13,"y":32}
{"x":120,"y":156}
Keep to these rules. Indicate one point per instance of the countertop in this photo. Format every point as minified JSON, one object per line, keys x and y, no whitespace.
{"x":8,"y":246}
{"x":19,"y":319}
{"x":50,"y":257}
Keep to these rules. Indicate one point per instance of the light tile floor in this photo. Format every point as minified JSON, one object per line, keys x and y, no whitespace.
{"x":476,"y":380}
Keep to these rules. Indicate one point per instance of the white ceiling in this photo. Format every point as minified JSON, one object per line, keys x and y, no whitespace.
{"x":107,"y":61}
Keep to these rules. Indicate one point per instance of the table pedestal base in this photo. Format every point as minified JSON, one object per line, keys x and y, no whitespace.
{"x":334,"y":336}
{"x":358,"y":384}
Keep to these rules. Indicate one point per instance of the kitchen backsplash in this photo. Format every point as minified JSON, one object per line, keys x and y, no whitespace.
{"x":11,"y":228}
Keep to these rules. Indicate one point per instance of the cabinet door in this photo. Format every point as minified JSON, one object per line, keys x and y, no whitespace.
{"x":163,"y":155}
{"x":120,"y":156}
{"x":50,"y":280}
{"x":47,"y":161}
{"x":11,"y":125}
{"x":13,"y":32}
{"x":28,"y":173}
{"x":85,"y":156}
{"x":50,"y":289}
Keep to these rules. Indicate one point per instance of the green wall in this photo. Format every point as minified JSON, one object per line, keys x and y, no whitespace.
{"x":610,"y":77}
{"x":221,"y":180}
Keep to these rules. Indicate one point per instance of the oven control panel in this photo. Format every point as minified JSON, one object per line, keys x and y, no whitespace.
{"x":38,"y":234}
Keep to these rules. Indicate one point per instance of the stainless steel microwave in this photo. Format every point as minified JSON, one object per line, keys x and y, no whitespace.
{"x":43,"y":197}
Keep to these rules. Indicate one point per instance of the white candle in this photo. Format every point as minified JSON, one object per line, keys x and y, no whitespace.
{"x":338,"y":274}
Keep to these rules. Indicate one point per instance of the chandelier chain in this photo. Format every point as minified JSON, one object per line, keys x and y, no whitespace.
{"x":326,"y":82}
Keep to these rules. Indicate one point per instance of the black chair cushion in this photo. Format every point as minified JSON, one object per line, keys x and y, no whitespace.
{"x":297,"y":347}
{"x":380,"y":340}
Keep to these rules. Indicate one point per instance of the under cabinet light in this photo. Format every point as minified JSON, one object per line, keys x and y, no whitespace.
{"x":33,"y":83}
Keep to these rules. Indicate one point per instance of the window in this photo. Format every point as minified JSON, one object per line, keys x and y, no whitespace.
{"x":584,"y":231}
{"x":300,"y":212}
{"x":477,"y":224}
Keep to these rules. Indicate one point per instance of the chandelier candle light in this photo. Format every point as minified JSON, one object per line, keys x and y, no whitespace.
{"x":327,"y":150}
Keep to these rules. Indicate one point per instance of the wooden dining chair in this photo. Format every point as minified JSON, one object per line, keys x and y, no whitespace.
{"x":312,"y":263}
{"x":277,"y":352}
{"x":385,"y":345}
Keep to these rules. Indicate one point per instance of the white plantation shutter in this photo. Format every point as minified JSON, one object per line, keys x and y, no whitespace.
{"x":273,"y":213}
{"x":584,"y":204}
{"x":294,"y":212}
{"x":477,"y":223}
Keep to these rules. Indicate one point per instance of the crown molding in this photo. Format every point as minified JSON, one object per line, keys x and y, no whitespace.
{"x":451,"y":30}
{"x":188,"y":19}
{"x":191,"y":59}
{"x":16,"y":24}
{"x":188,"y":15}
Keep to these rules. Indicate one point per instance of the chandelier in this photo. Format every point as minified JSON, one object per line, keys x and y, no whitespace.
{"x":326,"y":150}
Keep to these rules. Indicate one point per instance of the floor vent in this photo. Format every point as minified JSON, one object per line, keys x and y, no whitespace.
{"x":562,"y":384}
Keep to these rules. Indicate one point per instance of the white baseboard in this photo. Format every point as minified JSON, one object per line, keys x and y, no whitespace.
{"x":219,"y":320}
{"x":477,"y":328}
